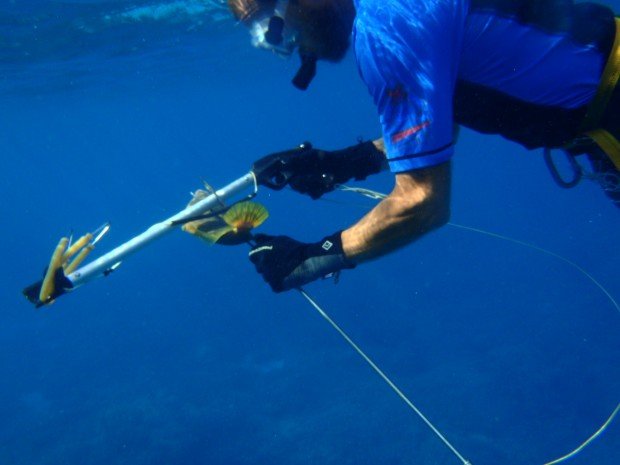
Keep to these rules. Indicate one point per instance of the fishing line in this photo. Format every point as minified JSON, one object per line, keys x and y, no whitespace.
{"x":380,"y":196}
{"x":252,"y":243}
{"x":596,"y":283}
{"x":588,"y":441}
{"x":548,"y":252}
{"x":385,"y":378}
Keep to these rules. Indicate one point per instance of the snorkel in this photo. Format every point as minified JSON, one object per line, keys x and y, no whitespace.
{"x":317,"y":29}
{"x":306,"y":71}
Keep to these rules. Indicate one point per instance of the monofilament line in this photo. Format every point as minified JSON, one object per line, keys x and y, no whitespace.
{"x":379,"y":196}
{"x":548,"y":252}
{"x":385,"y":378}
{"x":588,"y":441}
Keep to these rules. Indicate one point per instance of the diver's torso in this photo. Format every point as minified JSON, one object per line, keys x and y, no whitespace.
{"x":529,"y":68}
{"x":525,"y":69}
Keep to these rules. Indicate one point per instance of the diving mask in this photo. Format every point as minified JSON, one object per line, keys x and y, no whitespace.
{"x":271,"y":32}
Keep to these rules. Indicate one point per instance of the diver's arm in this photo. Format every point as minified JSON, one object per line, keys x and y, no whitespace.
{"x":419,"y":203}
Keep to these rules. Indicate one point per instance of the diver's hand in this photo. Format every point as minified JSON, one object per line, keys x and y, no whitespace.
{"x":304,"y":168}
{"x":315,"y":172}
{"x":287,"y":264}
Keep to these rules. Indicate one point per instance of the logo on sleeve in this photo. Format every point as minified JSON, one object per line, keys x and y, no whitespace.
{"x":402,"y":135}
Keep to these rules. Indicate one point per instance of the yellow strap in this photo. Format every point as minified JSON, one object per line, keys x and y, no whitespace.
{"x":609,"y":144}
{"x":609,"y":79}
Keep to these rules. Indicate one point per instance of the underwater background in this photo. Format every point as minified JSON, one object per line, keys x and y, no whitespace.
{"x":116,"y":110}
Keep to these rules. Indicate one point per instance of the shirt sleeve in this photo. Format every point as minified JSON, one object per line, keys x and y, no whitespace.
{"x":407,"y":54}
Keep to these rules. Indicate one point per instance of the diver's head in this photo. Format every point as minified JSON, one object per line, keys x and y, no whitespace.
{"x":318,"y":29}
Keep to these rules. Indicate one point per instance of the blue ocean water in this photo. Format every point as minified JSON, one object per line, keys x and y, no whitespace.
{"x":115,"y":110}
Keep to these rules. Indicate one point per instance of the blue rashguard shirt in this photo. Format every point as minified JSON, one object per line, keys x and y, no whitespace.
{"x":414,"y":54}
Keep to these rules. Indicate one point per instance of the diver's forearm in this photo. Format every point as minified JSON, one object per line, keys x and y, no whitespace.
{"x":418,"y":204}
{"x":383,"y":230}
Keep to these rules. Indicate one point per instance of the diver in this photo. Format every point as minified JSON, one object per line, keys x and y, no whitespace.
{"x":541,"y":73}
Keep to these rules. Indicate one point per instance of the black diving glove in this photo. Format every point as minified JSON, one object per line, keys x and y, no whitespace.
{"x":314,"y":172}
{"x":287,"y":264}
